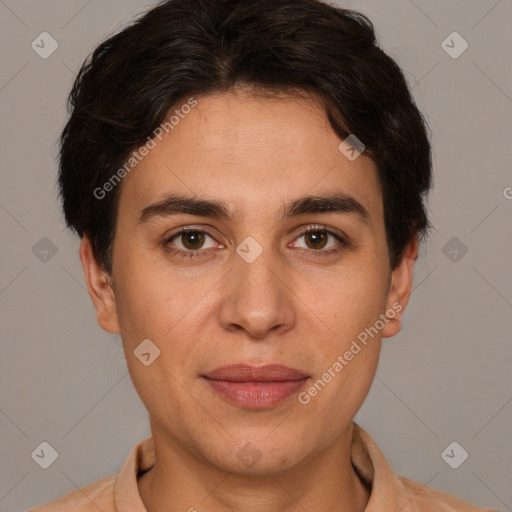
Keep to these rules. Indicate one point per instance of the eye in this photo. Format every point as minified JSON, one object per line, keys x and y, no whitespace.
{"x":322,"y":240}
{"x":189,"y":242}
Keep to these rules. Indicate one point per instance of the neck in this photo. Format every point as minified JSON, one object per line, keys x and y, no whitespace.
{"x":326,"y":481}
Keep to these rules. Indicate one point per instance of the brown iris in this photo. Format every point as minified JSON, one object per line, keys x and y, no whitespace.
{"x":319,"y":239}
{"x":192,"y":240}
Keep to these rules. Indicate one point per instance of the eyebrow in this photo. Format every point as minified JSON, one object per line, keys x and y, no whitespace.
{"x":174,"y":204}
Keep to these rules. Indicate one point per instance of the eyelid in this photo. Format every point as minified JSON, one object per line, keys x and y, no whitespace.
{"x":188,"y":229}
{"x":321,"y":227}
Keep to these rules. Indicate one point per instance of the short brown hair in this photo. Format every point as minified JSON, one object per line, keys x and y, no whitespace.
{"x":182,"y":48}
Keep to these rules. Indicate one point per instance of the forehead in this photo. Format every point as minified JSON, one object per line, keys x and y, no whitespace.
{"x":251,"y":152}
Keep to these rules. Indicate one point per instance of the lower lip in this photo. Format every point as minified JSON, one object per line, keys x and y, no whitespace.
{"x":257,"y":395}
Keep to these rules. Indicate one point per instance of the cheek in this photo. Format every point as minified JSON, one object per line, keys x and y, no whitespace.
{"x":148,"y":305}
{"x":348,"y":360}
{"x":351,"y":305}
{"x":350,"y":300}
{"x":165,"y":309}
{"x":157,"y":341}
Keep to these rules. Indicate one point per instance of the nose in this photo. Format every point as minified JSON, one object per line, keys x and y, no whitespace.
{"x":257,"y":298}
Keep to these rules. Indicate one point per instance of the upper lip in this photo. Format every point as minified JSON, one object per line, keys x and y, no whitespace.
{"x":247,"y":373}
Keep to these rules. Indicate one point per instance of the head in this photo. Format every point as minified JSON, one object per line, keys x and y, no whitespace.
{"x":230,"y":119}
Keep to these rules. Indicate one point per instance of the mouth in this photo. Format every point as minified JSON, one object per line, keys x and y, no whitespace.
{"x":253,"y":387}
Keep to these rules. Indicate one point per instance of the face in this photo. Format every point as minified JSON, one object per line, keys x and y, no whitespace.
{"x":248,"y":285}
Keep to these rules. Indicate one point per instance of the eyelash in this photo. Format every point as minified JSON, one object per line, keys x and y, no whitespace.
{"x":200,"y":253}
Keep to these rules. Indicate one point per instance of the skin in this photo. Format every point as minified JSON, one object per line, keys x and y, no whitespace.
{"x":291,"y":306}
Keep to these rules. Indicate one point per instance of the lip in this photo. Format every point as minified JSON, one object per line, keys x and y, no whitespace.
{"x":248,"y":373}
{"x":254,"y":387}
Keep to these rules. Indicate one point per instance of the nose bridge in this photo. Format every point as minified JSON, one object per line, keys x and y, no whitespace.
{"x":257,"y":299}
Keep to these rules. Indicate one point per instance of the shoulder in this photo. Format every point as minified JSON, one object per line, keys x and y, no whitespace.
{"x":415,"y":497}
{"x":96,"y":496}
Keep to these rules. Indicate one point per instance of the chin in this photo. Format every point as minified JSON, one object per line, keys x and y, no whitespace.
{"x":260,"y":455}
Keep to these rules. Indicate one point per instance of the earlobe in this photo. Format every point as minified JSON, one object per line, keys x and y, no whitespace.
{"x":100,"y":288}
{"x":400,"y":289}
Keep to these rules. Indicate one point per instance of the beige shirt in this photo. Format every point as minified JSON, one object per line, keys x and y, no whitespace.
{"x":389,"y":492}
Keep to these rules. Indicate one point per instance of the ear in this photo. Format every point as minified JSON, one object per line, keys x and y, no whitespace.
{"x":99,"y":286}
{"x":400,"y":289}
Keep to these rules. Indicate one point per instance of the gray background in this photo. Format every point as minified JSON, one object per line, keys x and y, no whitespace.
{"x":446,"y":377}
